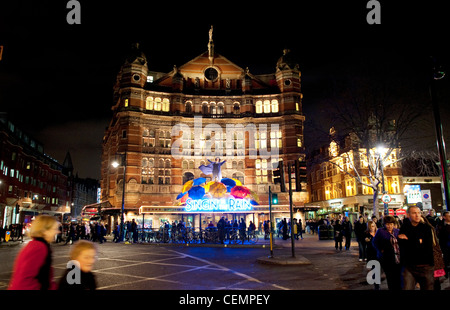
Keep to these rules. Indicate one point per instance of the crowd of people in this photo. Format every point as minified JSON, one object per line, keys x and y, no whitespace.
{"x":414,"y":251}
{"x":72,"y":232}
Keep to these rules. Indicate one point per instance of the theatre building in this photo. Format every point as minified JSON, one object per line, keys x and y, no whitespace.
{"x":166,"y":125}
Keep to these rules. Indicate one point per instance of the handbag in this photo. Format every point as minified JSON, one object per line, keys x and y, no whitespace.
{"x":439,"y":264}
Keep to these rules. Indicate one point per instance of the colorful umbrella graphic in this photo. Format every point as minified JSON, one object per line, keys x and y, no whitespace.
{"x":207,"y":185}
{"x":229,"y":183}
{"x":181,"y":195}
{"x":196,"y":192}
{"x":238,"y":183}
{"x":217,"y":189}
{"x":252,"y":195}
{"x":199,"y":181}
{"x":239,"y":192}
{"x":187,"y":186}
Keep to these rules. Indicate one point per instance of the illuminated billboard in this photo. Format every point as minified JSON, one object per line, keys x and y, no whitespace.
{"x":413,"y":194}
{"x":223,"y":205}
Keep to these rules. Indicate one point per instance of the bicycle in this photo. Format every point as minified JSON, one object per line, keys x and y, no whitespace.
{"x":252,"y":237}
{"x":237,"y":236}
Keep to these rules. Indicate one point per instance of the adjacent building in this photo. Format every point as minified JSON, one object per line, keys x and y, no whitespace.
{"x":31,"y":182}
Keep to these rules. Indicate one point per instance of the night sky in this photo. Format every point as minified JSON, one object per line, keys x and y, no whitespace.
{"x":56,"y":79}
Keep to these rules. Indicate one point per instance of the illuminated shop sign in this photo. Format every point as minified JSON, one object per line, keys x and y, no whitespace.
{"x":413,"y":194}
{"x":211,"y":205}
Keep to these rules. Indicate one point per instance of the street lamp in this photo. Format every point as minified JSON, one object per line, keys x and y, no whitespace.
{"x":116,"y":164}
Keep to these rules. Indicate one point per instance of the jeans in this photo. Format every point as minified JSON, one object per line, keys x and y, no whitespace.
{"x":362,"y":249}
{"x":423,"y":274}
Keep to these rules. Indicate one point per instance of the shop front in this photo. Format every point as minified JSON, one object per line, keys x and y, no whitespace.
{"x":205,"y":215}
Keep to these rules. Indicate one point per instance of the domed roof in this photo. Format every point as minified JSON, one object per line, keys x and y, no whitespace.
{"x":287,"y":62}
{"x":136,"y":55}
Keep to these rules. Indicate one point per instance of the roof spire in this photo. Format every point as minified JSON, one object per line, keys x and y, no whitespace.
{"x":211,"y":46}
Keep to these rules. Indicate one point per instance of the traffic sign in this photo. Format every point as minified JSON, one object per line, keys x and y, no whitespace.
{"x":386,"y":198}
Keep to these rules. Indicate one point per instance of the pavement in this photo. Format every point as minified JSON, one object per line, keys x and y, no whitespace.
{"x":311,"y":265}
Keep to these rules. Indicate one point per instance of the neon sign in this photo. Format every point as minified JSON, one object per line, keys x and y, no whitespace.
{"x":211,"y":205}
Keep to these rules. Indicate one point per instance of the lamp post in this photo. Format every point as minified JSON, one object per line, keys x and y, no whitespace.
{"x":115,"y":164}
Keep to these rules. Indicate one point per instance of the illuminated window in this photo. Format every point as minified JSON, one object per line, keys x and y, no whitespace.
{"x":266,"y":106}
{"x":125,"y":103}
{"x":274,"y":106}
{"x":165,"y":105}
{"x":149,"y":103}
{"x":147,"y":171}
{"x":350,"y":188}
{"x":275,"y":139}
{"x":261,"y":171}
{"x":263,"y":140}
{"x":164,"y":138}
{"x":328,"y":192}
{"x":366,"y":190}
{"x":259,"y":108}
{"x":157,"y":104}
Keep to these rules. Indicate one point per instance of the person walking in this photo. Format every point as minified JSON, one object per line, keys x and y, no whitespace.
{"x":388,"y":252}
{"x":84,"y":255}
{"x":300,"y":228}
{"x":338,"y":237}
{"x":416,"y":245}
{"x":347,"y":232}
{"x":221,"y":229}
{"x":443,"y":234}
{"x":371,"y":251}
{"x":33,"y":266}
{"x":71,"y":234}
{"x":360,"y":230}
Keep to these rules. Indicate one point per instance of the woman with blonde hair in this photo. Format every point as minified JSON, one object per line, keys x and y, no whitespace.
{"x":33,"y":266}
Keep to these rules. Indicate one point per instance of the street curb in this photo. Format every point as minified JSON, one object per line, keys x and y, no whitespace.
{"x":203,"y":245}
{"x":284,"y":260}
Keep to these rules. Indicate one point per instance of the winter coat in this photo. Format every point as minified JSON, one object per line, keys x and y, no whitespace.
{"x":33,"y":268}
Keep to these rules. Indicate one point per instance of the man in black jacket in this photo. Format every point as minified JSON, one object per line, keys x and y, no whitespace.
{"x":416,"y":251}
{"x":443,"y":234}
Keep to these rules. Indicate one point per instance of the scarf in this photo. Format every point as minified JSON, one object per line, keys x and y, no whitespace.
{"x":44,"y":272}
{"x":394,"y":243}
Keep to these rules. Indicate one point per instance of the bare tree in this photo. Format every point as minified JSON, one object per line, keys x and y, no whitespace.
{"x":377,"y":118}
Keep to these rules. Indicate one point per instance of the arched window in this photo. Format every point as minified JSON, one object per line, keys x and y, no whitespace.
{"x":266,"y":106}
{"x":188,"y":107}
{"x":236,"y":108}
{"x":213,"y":108}
{"x":165,"y":105}
{"x":275,"y":106}
{"x":149,"y":103}
{"x":187,"y":176}
{"x":157,"y":104}
{"x":239,"y":176}
{"x":259,"y":107}
{"x":205,"y":109}
{"x":220,"y":108}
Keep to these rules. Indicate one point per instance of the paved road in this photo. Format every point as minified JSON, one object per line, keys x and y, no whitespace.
{"x":152,"y":267}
